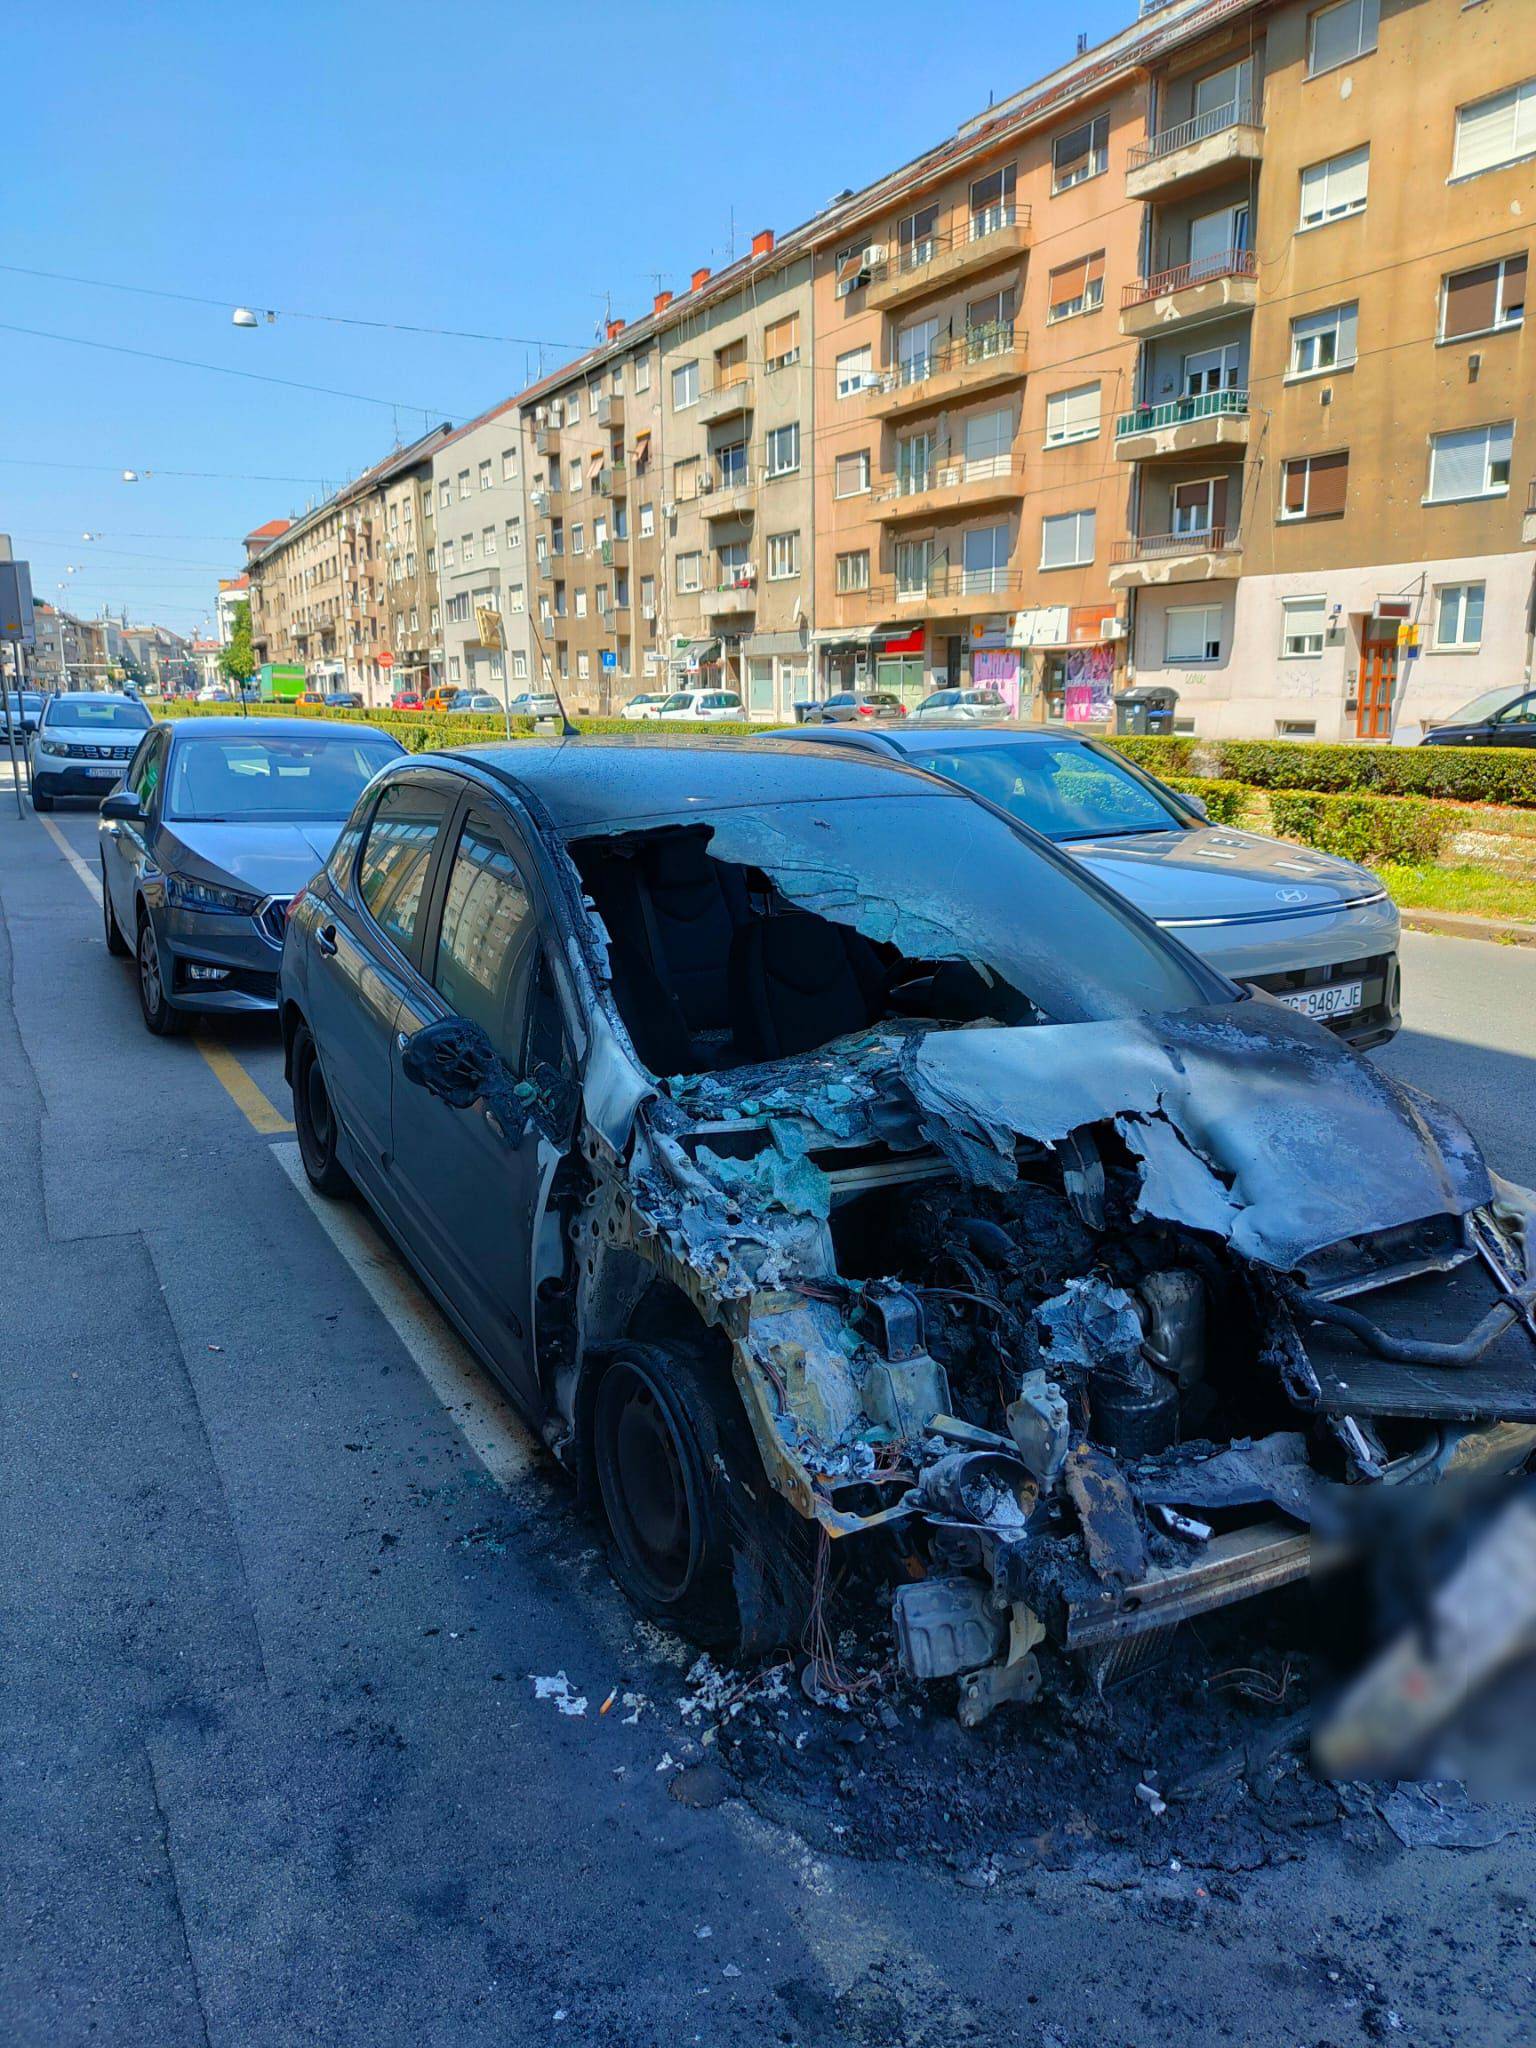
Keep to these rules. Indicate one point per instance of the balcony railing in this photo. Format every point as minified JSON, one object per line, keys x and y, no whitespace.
{"x":976,"y":345}
{"x":612,"y":480}
{"x":915,"y":256}
{"x":1152,"y":547}
{"x":1203,"y":270}
{"x":946,"y":580}
{"x":946,"y":473}
{"x":1146,"y":419}
{"x":1241,"y":113}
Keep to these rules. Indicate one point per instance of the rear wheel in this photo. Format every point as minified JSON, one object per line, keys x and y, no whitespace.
{"x":314,"y":1120}
{"x":117,"y":945}
{"x":159,"y":1016}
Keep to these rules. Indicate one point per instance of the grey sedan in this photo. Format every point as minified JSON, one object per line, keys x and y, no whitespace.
{"x":220,"y":823}
{"x":1318,"y":933}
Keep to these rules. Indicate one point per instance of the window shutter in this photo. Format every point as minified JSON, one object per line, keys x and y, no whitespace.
{"x":1095,"y":268}
{"x":1296,"y":487}
{"x":1471,"y":298}
{"x":1457,"y":464}
{"x":1071,"y":281}
{"x":1514,"y":285}
{"x":1219,"y":502}
{"x":1329,"y":487}
{"x":1493,"y":130}
{"x":781,"y":338}
{"x":1347,"y":176}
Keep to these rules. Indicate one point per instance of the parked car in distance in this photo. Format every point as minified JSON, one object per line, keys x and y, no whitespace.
{"x":750,"y":1107}
{"x":706,"y":707}
{"x":314,"y":699}
{"x":219,"y":823}
{"x":879,"y":707}
{"x":645,"y":707}
{"x":343,"y":700}
{"x":478,"y":701}
{"x":406,"y":700}
{"x":1504,"y":717}
{"x":81,"y":744}
{"x":1316,"y":932}
{"x":25,"y":708}
{"x":214,"y":693}
{"x":970,"y":707}
{"x":534,"y":704}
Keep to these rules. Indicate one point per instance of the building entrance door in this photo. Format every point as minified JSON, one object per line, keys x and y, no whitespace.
{"x":1378,"y":685}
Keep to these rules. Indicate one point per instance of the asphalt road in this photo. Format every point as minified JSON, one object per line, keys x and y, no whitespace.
{"x":275,"y":1770}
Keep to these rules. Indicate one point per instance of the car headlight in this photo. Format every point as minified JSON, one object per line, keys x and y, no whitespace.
{"x":182,"y":894}
{"x":54,"y":749}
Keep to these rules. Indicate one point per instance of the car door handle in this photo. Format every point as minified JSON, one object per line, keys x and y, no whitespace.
{"x":401,"y":1041}
{"x":325,"y":939}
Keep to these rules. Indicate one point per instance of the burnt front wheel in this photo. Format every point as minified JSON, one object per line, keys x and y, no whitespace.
{"x":668,"y":1475}
{"x":314,"y":1119}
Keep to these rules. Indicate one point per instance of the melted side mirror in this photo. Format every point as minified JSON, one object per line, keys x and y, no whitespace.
{"x":452,"y":1060}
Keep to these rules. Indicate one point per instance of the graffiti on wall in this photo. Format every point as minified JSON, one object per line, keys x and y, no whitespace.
{"x":1090,"y":685}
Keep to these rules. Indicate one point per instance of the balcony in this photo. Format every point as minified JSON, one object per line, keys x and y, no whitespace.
{"x":727,"y":400}
{"x":1205,"y":556}
{"x":729,"y":496}
{"x":731,"y":599}
{"x":988,"y":240}
{"x":969,"y":363}
{"x":545,"y":500}
{"x":1185,"y":426}
{"x":610,"y":410}
{"x":949,"y":489}
{"x":546,"y":440}
{"x":613,"y":480}
{"x":1190,"y":293}
{"x":1197,"y":153}
{"x":951,"y":593}
{"x":615,"y":553}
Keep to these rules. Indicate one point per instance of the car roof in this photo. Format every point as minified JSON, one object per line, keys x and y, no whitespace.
{"x":619,"y":779}
{"x":80,"y":696}
{"x":270,"y":728}
{"x":911,"y":739}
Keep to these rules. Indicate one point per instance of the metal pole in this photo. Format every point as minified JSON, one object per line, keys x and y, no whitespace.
{"x":10,"y":736}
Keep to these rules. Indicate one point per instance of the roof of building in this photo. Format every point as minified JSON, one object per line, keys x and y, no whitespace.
{"x":270,"y":531}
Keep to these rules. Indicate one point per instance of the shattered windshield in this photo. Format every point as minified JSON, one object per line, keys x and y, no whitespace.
{"x":756,"y":934}
{"x":1061,"y":787}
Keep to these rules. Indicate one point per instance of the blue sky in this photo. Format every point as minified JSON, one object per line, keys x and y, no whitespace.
{"x":508,"y":171}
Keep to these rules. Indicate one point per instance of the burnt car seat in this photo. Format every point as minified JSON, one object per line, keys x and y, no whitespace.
{"x":696,"y":907}
{"x":798,"y":981}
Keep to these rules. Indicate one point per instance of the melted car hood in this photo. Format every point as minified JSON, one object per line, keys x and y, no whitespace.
{"x":1250,"y":1122}
{"x":1216,"y":871}
{"x":272,"y":860}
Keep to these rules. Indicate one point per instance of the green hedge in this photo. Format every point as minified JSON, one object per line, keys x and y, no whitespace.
{"x":1362,"y":828}
{"x":1171,"y":756}
{"x":1483,"y":775}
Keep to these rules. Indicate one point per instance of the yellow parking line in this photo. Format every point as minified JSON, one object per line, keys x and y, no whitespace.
{"x":260,"y":1113}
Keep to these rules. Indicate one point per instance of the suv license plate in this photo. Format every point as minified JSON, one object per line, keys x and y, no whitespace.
{"x":107,"y":768}
{"x":1336,"y":1000}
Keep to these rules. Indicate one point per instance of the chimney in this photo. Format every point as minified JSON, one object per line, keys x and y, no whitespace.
{"x":615,"y":327}
{"x":661,"y":302}
{"x":762,"y":244}
{"x":699,"y":277}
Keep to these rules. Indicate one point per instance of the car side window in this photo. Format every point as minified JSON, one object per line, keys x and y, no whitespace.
{"x":144,"y":770}
{"x":1521,"y":712}
{"x":348,"y":840}
{"x":397,"y":854}
{"x":488,"y":944}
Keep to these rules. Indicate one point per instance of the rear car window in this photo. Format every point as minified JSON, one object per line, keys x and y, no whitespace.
{"x":397,"y":854}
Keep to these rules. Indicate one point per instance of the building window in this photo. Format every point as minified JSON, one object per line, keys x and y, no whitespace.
{"x":685,"y":386}
{"x":431,"y":561}
{"x":1192,"y":633}
{"x":578,"y":538}
{"x":600,"y":600}
{"x":1072,"y":415}
{"x":583,"y":667}
{"x":454,"y":669}
{"x":1067,"y":540}
{"x":1458,"y":617}
{"x":1497,"y":130}
{"x":445,"y":494}
{"x":1325,"y":340}
{"x":647,"y":521}
{"x":1302,"y":622}
{"x":581,"y":604}
{"x":509,"y":465}
{"x":1338,"y":33}
{"x":1336,"y":188}
{"x":784,"y":449}
{"x":1076,"y":288}
{"x":467,"y":548}
{"x":1315,"y":486}
{"x":984,"y":560}
{"x":486,"y":478}
{"x":992,"y":202}
{"x":1080,"y":154}
{"x":781,"y":342}
{"x":514,"y":532}
{"x":642,"y":373}
{"x":853,"y":571}
{"x":516,"y":603}
{"x":434,"y":620}
{"x":783,"y":556}
{"x":1470,"y":463}
{"x":1484,"y":299}
{"x":915,"y":243}
{"x":573,"y":406}
{"x":690,"y":573}
{"x":447,"y":554}
{"x":685,"y":479}
{"x":648,"y":597}
{"x":488,"y":541}
{"x":519,"y":666}
{"x":851,"y":474}
{"x":463,"y":483}
{"x":855,"y":372}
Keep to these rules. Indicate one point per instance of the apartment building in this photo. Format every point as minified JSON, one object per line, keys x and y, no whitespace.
{"x":402,"y":510}
{"x":1330,"y":443}
{"x":480,"y":559}
{"x":233,"y":592}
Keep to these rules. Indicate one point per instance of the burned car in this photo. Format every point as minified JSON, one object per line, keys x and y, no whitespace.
{"x":855,"y":1192}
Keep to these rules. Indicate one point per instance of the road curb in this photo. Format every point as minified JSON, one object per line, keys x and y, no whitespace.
{"x":1461,"y":924}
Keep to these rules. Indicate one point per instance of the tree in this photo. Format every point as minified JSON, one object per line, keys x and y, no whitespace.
{"x":237,"y":661}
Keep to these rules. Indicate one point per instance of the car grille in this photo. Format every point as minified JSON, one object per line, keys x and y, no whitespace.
{"x":79,"y":750}
{"x":273,"y":918}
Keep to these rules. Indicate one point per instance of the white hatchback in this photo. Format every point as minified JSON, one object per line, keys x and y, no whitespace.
{"x":702,"y":707}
